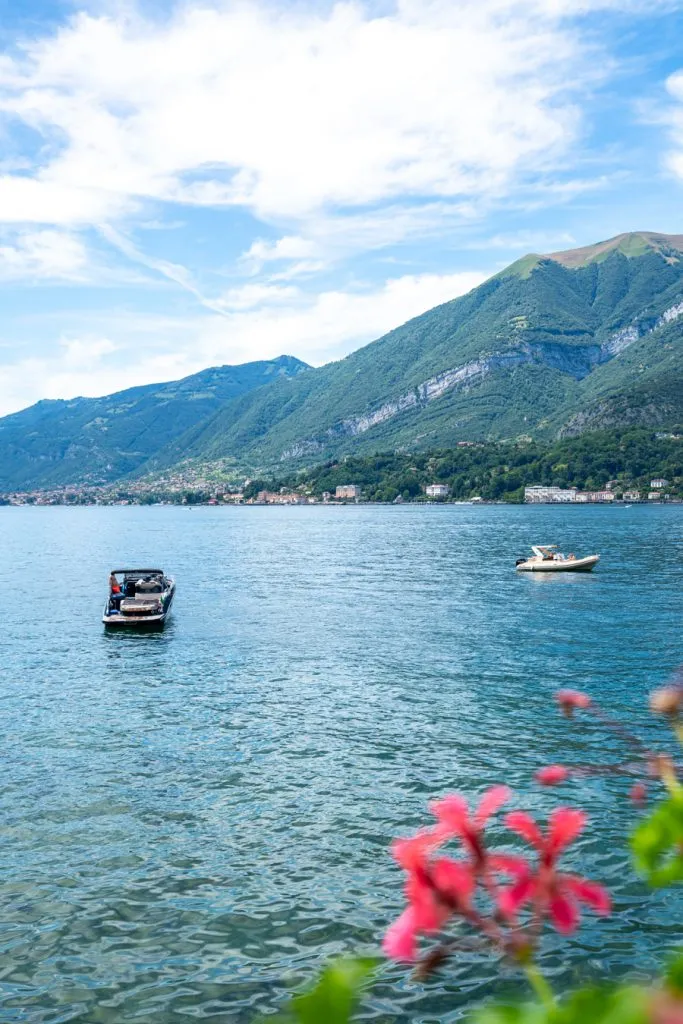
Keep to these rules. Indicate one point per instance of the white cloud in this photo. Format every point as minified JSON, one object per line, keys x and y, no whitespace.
{"x":291,"y":111}
{"x":332,"y":323}
{"x":673,"y":118}
{"x":46,"y":254}
{"x":528,"y":241}
{"x":136,"y":350}
{"x":328,"y":238}
{"x":249,"y":296}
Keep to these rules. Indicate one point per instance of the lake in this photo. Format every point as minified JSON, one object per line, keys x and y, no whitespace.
{"x":194,"y":820}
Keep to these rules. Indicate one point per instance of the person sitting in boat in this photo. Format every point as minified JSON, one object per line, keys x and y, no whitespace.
{"x":114,"y":585}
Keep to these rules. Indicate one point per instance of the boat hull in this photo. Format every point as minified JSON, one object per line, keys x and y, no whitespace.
{"x":156,"y":621}
{"x":567,"y":565}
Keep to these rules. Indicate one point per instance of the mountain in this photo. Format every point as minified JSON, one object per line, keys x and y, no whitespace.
{"x":93,"y":440}
{"x":553,"y":345}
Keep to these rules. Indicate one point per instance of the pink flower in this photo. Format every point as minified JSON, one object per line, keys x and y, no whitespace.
{"x":453,"y":815}
{"x":572,"y":700}
{"x":436,"y":888}
{"x":552,"y":774}
{"x":549,"y":891}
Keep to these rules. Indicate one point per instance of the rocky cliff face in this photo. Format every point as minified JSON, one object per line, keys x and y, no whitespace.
{"x":576,"y":360}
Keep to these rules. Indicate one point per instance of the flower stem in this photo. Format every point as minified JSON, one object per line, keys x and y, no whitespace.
{"x":668,"y":776}
{"x":540,"y":985}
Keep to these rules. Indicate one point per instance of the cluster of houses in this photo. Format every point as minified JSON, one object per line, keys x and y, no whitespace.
{"x":345,"y":492}
{"x":564,"y":495}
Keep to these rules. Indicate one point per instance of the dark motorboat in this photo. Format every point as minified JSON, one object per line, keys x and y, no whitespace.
{"x":138,"y":597}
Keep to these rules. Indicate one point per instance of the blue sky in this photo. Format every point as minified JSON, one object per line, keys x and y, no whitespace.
{"x":184,"y":185}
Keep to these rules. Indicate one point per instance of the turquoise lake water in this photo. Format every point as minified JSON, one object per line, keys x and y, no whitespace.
{"x":192,"y":821}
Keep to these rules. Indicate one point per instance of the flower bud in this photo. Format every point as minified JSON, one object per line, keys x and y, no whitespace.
{"x":571,"y":700}
{"x":552,"y":774}
{"x":667,"y":700}
{"x":638,"y":794}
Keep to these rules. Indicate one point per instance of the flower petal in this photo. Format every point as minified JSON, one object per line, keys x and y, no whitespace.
{"x":452,"y":812}
{"x":590,"y":893}
{"x":492,"y":800}
{"x":566,"y":823}
{"x":512,"y":899}
{"x":453,"y":880}
{"x":412,"y":852}
{"x":525,"y":826}
{"x":399,"y":942}
{"x":508,"y":864}
{"x":564,"y":914}
{"x":428,"y":910}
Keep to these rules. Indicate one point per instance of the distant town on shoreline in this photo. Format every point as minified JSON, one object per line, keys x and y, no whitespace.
{"x":598,"y":468}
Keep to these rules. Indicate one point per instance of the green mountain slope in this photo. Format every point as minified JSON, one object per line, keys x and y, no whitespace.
{"x":91,"y":440}
{"x":592,"y":336}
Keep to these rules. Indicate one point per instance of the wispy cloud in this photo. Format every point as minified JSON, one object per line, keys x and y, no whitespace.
{"x":171,"y":271}
{"x":131,"y":350}
{"x":44,"y":255}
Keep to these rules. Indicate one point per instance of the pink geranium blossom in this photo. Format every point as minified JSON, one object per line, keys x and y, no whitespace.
{"x":437,"y":887}
{"x":548,"y":890}
{"x":454,"y":816}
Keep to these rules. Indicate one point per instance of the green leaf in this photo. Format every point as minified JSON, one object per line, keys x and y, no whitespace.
{"x":674,"y":973}
{"x":657,"y":844}
{"x":522,"y":1014}
{"x":628,"y":1005}
{"x":335,"y":995}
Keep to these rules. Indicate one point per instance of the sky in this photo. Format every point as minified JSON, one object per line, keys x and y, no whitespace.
{"x":185,"y":185}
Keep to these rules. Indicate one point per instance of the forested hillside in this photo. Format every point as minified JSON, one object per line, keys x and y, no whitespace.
{"x":93,"y":440}
{"x":500,"y":471}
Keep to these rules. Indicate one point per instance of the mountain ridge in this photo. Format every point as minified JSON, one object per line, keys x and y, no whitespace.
{"x":553,"y":345}
{"x":512,"y":356}
{"x":66,"y":441}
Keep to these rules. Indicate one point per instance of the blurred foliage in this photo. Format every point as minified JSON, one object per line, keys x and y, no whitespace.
{"x":626,"y":1005}
{"x":334,"y":997}
{"x":657,"y":843}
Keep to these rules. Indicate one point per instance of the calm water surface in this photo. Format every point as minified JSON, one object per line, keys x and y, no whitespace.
{"x":192,"y":821}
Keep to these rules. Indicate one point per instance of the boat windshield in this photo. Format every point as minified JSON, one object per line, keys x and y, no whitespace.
{"x":544,"y":551}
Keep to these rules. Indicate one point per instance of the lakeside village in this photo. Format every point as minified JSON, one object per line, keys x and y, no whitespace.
{"x":343,"y":494}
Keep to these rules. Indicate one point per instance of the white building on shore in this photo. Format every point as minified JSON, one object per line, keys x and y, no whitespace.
{"x":437,"y":490}
{"x":347,"y":492}
{"x":549,"y":495}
